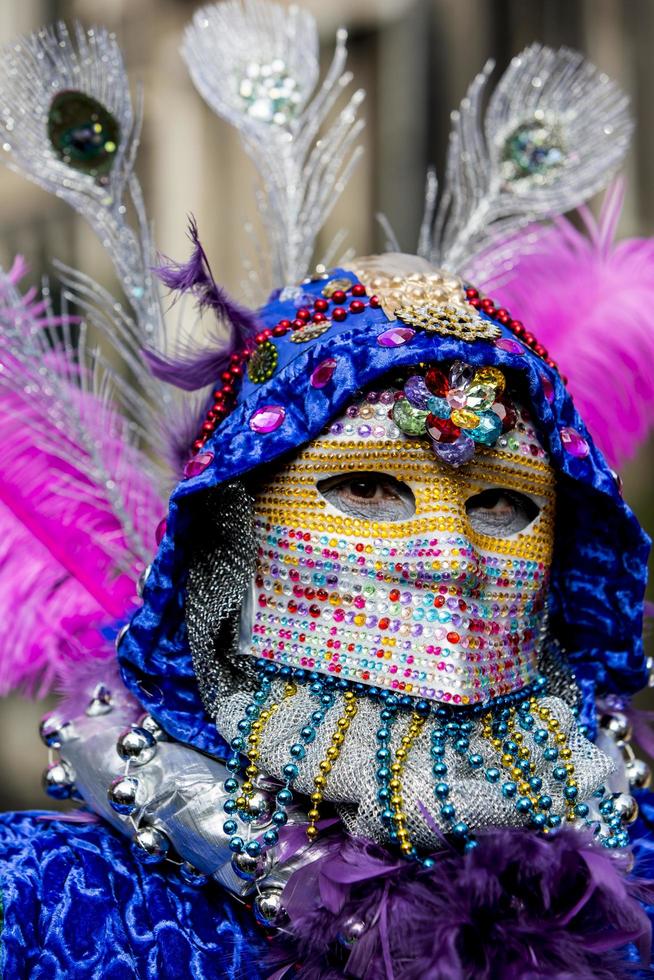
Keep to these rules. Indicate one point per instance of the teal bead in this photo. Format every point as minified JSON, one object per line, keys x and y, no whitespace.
{"x":559,"y":773}
{"x":582,"y":810}
{"x":448,"y":811}
{"x":545,"y":802}
{"x":571,"y":793}
{"x":441,"y":791}
{"x":509,"y":790}
{"x":551,"y":754}
{"x":523,"y":804}
{"x":493,"y":775}
{"x":476,"y":760}
{"x":541,"y":735}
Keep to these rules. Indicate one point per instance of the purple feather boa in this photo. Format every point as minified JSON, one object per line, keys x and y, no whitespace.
{"x":191,"y":367}
{"x":519,"y":905}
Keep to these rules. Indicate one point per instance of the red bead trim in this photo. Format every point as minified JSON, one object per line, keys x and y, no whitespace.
{"x":518,"y":329}
{"x":325,"y":309}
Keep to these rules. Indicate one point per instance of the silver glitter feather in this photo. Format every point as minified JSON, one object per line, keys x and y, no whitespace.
{"x":256,"y":65}
{"x":555,"y":130}
{"x":35,"y":72}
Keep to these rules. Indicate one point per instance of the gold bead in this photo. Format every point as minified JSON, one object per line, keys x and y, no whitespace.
{"x":518,"y":737}
{"x":348,"y":696}
{"x":253,"y":755}
{"x":553,"y":724}
{"x":338,"y":739}
{"x":316,"y":797}
{"x":523,"y":752}
{"x":406,"y":848}
{"x":396,"y":801}
{"x":565,"y":753}
{"x":251,"y":771}
{"x":312,"y":832}
{"x":516,"y":773}
{"x":524,"y":789}
{"x":332,"y":753}
{"x":569,"y":768}
{"x":395,"y":784}
{"x":396,"y":768}
{"x":241,"y":802}
{"x":342,"y":723}
{"x":400,"y":754}
{"x":320,"y":782}
{"x":325,"y":767}
{"x":313,"y":814}
{"x":560,"y":738}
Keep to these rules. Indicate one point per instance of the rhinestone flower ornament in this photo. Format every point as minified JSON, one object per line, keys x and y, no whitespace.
{"x":457,"y":411}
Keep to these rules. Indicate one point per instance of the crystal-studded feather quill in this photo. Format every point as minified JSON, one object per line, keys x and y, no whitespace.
{"x":256,"y":64}
{"x":554,"y":132}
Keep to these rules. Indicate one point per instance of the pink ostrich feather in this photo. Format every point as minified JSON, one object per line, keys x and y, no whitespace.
{"x":590,"y":301}
{"x":77,"y":503}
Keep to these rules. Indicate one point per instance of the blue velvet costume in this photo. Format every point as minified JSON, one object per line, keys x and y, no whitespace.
{"x":76,"y":901}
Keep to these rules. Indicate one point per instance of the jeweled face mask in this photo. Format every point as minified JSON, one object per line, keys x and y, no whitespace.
{"x":381,"y":562}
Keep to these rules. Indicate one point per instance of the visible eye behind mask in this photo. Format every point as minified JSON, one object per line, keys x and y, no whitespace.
{"x":499,"y":512}
{"x":370,"y":496}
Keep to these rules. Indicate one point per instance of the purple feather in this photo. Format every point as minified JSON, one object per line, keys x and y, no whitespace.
{"x":193,"y":367}
{"x":518,"y":905}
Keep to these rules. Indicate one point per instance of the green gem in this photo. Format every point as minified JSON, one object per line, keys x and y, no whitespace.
{"x":263,"y":362}
{"x":83,"y":133}
{"x":534,"y":149}
{"x":410,"y":420}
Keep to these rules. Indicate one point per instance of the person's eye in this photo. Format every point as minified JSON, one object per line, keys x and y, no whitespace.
{"x":500,"y":513}
{"x":371,"y":496}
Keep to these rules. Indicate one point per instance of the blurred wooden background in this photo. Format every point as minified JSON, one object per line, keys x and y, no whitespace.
{"x":415,"y":58}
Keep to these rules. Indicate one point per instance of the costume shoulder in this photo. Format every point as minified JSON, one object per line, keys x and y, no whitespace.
{"x":76,"y":904}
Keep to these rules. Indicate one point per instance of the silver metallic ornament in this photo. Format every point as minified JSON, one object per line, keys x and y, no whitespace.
{"x":100,"y":703}
{"x":122,"y":794}
{"x":150,"y":725}
{"x":143,"y":577}
{"x":191,"y":876}
{"x":251,"y":867}
{"x":121,"y":633}
{"x":151,"y":845}
{"x":626,"y":807}
{"x":352,"y":930}
{"x":638,"y":773}
{"x":59,"y":780}
{"x":268,"y":908}
{"x":617,"y":725}
{"x":51,"y":730}
{"x":136,"y":745}
{"x":260,"y":807}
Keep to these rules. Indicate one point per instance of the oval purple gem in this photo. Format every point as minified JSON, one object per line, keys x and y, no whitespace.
{"x":417,"y":391}
{"x":511,"y":346}
{"x":455,"y":453}
{"x":574,"y":443}
{"x":323,"y":374}
{"x":267,"y":418}
{"x":395,"y":337}
{"x":197,"y":464}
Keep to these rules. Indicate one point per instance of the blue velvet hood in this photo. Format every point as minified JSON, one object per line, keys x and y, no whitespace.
{"x":599,"y":569}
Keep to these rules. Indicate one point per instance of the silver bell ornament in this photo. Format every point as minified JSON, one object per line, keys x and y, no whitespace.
{"x":136,"y":745}
{"x":268,"y":908}
{"x":250,"y":867}
{"x":100,"y":703}
{"x":191,"y":876}
{"x":638,"y":773}
{"x":52,"y":730}
{"x":122,"y":794}
{"x":626,"y":807}
{"x":353,"y":929}
{"x":150,"y":725}
{"x":260,"y":808}
{"x":59,"y":780}
{"x":150,"y":845}
{"x":617,"y":725}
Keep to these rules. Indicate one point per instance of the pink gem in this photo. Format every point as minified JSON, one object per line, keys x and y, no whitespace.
{"x":511,"y":346}
{"x":197,"y":464}
{"x":395,"y":337}
{"x":160,"y":530}
{"x":574,"y":443}
{"x":457,"y":398}
{"x":267,"y":419}
{"x":323,"y":374}
{"x":548,"y":387}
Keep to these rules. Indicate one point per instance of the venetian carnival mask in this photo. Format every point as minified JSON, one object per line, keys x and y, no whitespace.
{"x":379,"y":562}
